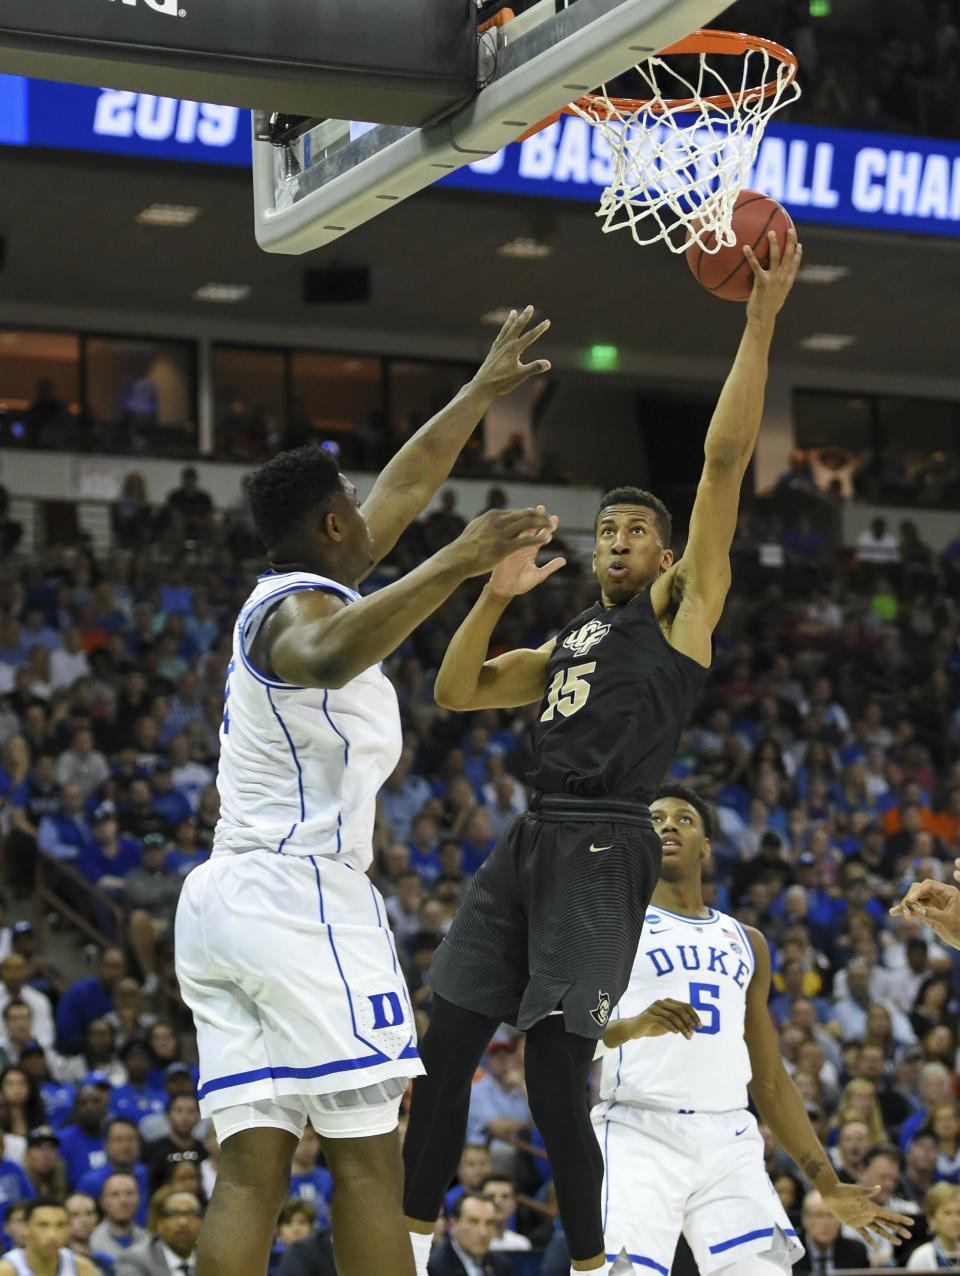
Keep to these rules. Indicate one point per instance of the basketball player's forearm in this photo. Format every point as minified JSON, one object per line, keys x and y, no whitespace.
{"x":458,"y":678}
{"x":733,"y":430}
{"x":781,"y":1108}
{"x":425,"y":460}
{"x":361,"y":635}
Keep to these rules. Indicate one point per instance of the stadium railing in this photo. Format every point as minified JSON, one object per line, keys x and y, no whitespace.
{"x":60,"y":887}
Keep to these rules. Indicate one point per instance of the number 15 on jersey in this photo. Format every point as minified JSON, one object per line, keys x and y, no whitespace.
{"x":568,"y":691}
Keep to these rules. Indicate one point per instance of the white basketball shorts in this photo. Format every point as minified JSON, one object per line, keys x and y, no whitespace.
{"x":289,"y":967}
{"x":699,"y":1173}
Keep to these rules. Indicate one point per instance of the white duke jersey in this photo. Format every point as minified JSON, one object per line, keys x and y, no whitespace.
{"x":300,"y":766}
{"x":17,"y":1258}
{"x":707,"y":962}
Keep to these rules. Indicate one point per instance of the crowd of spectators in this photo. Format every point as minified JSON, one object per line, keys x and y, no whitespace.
{"x":828,"y":739}
{"x":889,"y":66}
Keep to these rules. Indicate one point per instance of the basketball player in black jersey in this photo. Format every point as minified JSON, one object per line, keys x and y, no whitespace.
{"x":547,"y":931}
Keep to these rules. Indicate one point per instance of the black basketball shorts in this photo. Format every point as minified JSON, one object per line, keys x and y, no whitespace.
{"x":553,"y":918}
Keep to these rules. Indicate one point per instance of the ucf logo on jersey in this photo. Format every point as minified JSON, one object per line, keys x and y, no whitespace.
{"x":587,"y":636}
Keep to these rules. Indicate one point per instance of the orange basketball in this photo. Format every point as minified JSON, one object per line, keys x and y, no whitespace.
{"x":727,"y":273}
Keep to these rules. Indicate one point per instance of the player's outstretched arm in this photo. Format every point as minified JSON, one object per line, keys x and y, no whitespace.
{"x":411,"y":478}
{"x":466,"y":679}
{"x":694,"y":589}
{"x":937,"y":905}
{"x":318,"y":641}
{"x":781,"y":1108}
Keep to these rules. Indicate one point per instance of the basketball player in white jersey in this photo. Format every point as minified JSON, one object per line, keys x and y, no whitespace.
{"x":45,"y":1253}
{"x":690,"y":1035}
{"x":283,"y":950}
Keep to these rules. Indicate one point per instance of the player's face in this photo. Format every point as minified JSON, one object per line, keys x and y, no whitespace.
{"x":357,"y":534}
{"x":681,"y":838}
{"x":629,"y":553}
{"x":47,"y":1230}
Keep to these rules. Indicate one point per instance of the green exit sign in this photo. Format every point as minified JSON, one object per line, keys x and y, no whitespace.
{"x":603,"y":358}
{"x":819,"y":8}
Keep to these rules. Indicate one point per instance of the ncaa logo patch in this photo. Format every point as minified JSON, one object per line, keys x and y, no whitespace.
{"x":601,"y":1013}
{"x":587,"y":636}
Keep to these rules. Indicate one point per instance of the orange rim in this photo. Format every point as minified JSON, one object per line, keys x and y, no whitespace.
{"x":705,"y":41}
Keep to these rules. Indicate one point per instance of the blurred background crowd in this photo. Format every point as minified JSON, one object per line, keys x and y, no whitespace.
{"x":827,"y":739}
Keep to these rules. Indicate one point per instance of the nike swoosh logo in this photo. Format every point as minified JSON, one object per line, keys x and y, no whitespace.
{"x":736,"y":1133}
{"x":594,"y":849}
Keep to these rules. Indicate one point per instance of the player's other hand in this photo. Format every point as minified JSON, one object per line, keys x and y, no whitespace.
{"x":771,"y":286}
{"x":936,"y":904}
{"x":666,"y":1015}
{"x":502,"y":371}
{"x":857,"y":1207}
{"x":519,"y":573}
{"x":497,"y":534}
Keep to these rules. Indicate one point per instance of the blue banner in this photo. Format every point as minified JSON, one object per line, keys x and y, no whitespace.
{"x":835,"y":176}
{"x":838,"y":176}
{"x":121,"y":122}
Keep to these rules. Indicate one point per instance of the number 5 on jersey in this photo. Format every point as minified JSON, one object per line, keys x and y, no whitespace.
{"x":568,"y":691}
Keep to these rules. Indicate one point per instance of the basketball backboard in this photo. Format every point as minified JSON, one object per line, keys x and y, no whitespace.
{"x":315,"y":180}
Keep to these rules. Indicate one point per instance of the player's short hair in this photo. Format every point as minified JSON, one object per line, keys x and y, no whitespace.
{"x":456,"y":1209}
{"x":39,"y":1203}
{"x":290,"y":487}
{"x":683,"y":793}
{"x":637,"y":496}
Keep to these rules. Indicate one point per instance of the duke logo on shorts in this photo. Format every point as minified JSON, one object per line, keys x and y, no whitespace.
{"x":284,"y":953}
{"x":681,"y":1151}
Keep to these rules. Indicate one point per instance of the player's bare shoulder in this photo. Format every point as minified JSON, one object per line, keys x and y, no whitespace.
{"x":282,"y":624}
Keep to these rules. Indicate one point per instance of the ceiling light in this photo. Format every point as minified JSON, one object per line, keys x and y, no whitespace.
{"x":827,"y":342}
{"x":525,"y":248}
{"x":811,"y":274}
{"x":225,"y":293}
{"x":168,"y":215}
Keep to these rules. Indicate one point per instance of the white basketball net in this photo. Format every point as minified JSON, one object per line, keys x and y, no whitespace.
{"x":678,"y":169}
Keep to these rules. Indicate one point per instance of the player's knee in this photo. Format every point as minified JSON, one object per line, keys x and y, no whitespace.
{"x":374,"y":1159}
{"x":257,"y":1159}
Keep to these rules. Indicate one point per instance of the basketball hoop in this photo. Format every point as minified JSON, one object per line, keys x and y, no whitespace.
{"x":680,"y":161}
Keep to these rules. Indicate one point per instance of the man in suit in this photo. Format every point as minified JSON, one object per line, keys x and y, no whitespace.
{"x":465,"y":1250}
{"x":827,"y":1251}
{"x":172,"y":1251}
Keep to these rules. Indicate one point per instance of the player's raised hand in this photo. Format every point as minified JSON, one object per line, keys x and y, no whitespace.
{"x":857,"y":1207}
{"x":497,"y":534}
{"x":520,"y":573}
{"x":936,"y":904}
{"x":771,"y":286}
{"x":502,"y":371}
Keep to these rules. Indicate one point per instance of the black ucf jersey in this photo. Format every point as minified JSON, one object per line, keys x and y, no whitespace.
{"x":617,"y":697}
